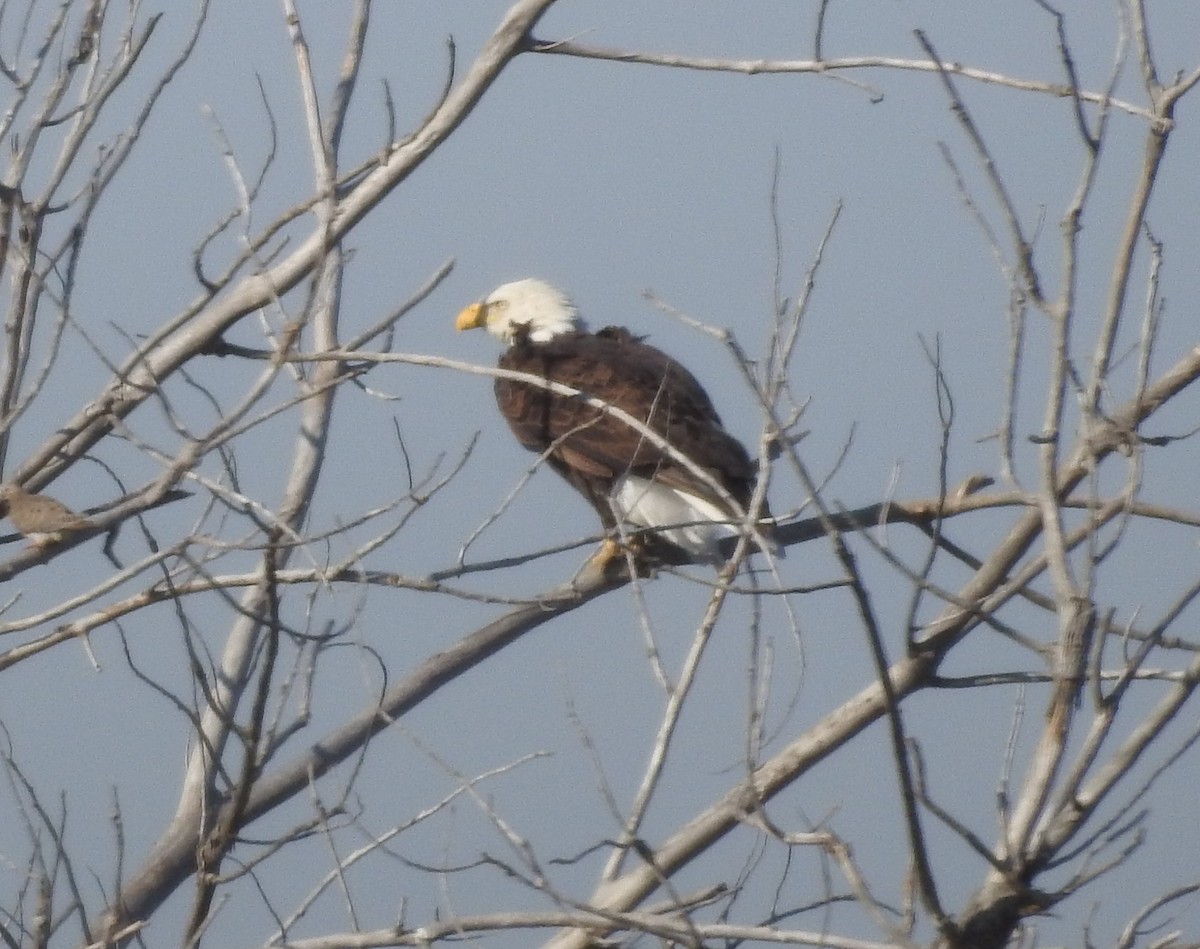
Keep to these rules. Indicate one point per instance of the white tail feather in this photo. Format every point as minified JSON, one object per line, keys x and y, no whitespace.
{"x":689,"y":522}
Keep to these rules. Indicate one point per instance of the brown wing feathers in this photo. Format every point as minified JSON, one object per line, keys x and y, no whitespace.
{"x":591,"y":448}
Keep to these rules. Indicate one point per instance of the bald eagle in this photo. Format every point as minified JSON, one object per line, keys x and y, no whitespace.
{"x":685,"y":509}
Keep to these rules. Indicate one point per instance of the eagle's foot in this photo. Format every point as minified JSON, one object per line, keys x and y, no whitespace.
{"x":611,"y":560}
{"x":615,"y":558}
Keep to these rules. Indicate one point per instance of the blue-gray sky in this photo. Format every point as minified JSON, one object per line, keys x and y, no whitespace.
{"x":610,"y":180}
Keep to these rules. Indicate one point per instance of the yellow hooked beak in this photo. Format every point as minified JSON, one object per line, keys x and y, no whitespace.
{"x":472,"y":318}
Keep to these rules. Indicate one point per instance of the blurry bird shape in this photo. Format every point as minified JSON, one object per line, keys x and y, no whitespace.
{"x":40,"y":519}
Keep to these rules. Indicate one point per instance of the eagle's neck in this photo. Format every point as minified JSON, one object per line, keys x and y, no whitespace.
{"x":542,"y":327}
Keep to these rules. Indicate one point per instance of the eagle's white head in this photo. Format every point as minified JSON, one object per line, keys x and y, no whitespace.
{"x":545,"y":309}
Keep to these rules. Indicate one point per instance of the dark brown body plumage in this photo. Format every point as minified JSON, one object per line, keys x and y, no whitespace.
{"x":591,"y":448}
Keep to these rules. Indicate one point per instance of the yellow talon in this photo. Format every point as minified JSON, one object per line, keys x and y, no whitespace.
{"x":617,"y":555}
{"x":610,"y":557}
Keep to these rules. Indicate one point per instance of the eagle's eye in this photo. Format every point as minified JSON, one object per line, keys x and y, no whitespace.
{"x":498,"y":305}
